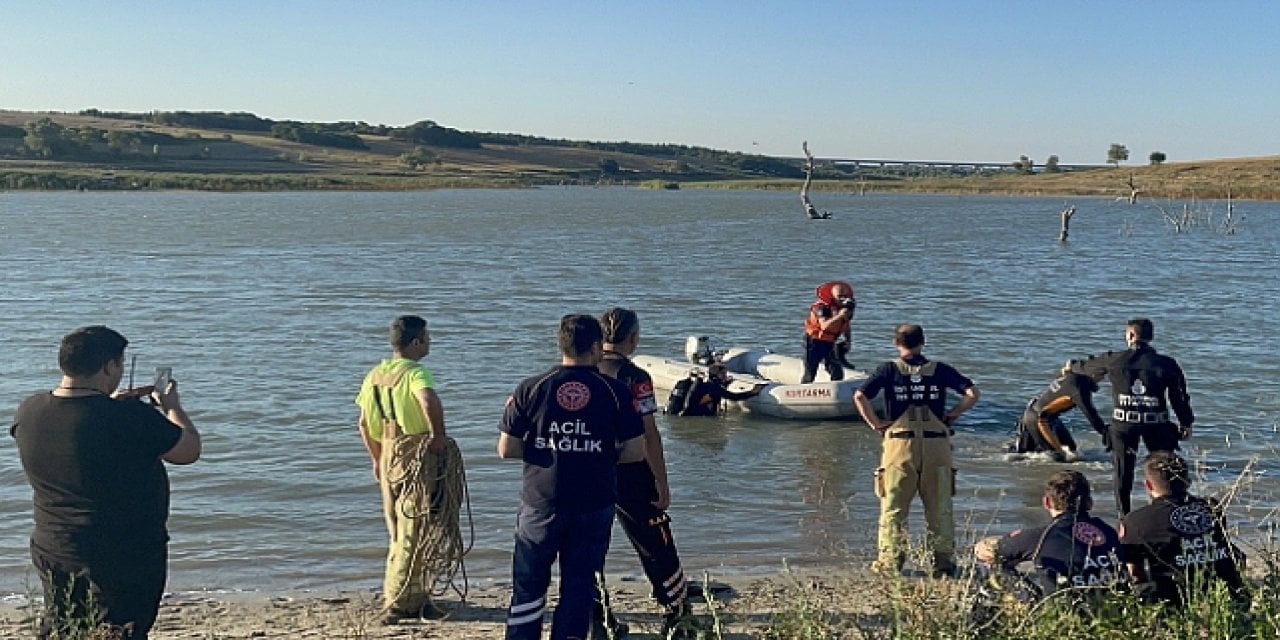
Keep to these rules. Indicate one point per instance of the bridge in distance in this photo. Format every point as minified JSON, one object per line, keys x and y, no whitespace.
{"x":962,"y":167}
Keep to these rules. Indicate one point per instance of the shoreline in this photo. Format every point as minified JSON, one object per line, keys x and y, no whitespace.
{"x":743,"y":605}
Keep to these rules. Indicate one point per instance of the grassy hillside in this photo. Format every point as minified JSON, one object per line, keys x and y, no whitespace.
{"x":1243,"y":178}
{"x":185,"y":157}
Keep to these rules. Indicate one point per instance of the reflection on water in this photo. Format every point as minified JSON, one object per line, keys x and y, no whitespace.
{"x":270,"y":308}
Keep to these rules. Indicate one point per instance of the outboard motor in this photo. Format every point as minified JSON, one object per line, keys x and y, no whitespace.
{"x":697,"y":349}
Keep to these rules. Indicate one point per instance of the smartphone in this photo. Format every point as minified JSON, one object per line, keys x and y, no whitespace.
{"x":163,"y":376}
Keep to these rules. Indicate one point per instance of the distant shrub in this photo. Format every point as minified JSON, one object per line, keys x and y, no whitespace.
{"x":316,"y":135}
{"x":429,"y":133}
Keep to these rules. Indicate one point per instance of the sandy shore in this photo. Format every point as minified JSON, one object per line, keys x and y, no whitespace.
{"x":744,"y":607}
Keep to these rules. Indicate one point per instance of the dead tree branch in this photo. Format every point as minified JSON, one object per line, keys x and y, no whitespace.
{"x":809,"y":210}
{"x":1065,"y":215}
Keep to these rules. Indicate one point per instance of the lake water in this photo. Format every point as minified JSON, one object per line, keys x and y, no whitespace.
{"x":271,"y":307}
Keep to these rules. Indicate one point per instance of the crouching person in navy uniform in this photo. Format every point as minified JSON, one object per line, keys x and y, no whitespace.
{"x":1178,"y":545}
{"x":572,"y":426}
{"x":1074,"y":550}
{"x":1041,"y":428}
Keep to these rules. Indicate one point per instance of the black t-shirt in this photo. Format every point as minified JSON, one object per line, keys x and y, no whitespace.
{"x":636,"y":482}
{"x":571,"y":421}
{"x":94,"y":464}
{"x":1177,"y":538}
{"x":1072,"y":551}
{"x":903,"y":391}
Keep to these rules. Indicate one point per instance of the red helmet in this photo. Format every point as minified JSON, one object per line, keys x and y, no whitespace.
{"x":825,"y":294}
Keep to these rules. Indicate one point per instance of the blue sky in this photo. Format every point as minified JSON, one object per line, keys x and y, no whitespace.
{"x":972,"y":81}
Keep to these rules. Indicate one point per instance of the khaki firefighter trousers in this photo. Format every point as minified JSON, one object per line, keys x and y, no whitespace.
{"x":916,"y":459}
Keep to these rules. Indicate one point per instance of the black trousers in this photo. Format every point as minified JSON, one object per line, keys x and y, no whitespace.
{"x":649,"y":530}
{"x":819,"y":352}
{"x":123,"y":592}
{"x":1122,"y":439}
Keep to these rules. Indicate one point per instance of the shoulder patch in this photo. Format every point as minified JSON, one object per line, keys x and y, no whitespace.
{"x":1192,"y":519}
{"x":1089,"y":534}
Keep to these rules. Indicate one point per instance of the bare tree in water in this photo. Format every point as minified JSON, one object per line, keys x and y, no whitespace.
{"x":1065,"y":216}
{"x":809,"y":210}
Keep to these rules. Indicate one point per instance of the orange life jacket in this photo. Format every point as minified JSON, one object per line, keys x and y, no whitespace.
{"x":813,"y":324}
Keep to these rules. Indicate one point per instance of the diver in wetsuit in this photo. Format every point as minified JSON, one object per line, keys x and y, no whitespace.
{"x":1041,"y":428}
{"x":703,"y":397}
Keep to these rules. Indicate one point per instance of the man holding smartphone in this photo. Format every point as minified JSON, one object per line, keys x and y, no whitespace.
{"x":100,"y":543}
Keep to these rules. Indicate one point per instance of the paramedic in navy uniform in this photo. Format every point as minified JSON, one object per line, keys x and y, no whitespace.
{"x":571,"y":425}
{"x":1074,"y":550}
{"x":1140,"y":380}
{"x":1178,"y":545}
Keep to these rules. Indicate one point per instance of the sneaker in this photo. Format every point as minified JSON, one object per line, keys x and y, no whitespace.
{"x":428,"y":611}
{"x":613,"y":630}
{"x":944,"y":568}
{"x":679,"y":623}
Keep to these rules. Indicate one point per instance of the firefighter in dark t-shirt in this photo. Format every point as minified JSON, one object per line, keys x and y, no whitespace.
{"x":1178,"y":542}
{"x":1074,"y":550}
{"x":572,"y":426}
{"x":916,"y":447}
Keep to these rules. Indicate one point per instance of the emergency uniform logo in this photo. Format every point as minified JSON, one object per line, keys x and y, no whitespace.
{"x":573,"y":396}
{"x":644,"y":388}
{"x":1138,"y":388}
{"x":1193,"y":519}
{"x":1088,"y":534}
{"x":916,"y":378}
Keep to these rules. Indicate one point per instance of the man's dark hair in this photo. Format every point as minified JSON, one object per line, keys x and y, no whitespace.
{"x":87,"y":350}
{"x":1068,"y":491}
{"x":909,"y":335}
{"x":1143,"y":328}
{"x":1167,"y":472}
{"x":618,"y":324}
{"x":578,"y":332}
{"x":406,"y":329}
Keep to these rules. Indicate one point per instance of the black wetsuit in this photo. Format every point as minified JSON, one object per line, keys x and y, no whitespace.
{"x":705,"y":396}
{"x":1041,"y":429}
{"x":1140,"y":381}
{"x":1178,"y":541}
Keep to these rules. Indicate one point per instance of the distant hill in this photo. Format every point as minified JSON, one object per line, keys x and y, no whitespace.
{"x":240,"y":145}
{"x":242,"y":151}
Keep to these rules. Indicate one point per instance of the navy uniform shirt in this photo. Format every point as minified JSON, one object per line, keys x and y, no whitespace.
{"x":636,"y":482}
{"x":1075,"y":550}
{"x":899,"y":391}
{"x":1174,"y":538}
{"x":571,"y":420}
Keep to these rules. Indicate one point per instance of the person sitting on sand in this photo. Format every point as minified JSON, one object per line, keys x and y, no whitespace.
{"x":1074,"y":550}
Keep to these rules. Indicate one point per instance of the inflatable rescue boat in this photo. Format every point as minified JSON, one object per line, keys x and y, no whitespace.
{"x":783,"y":395}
